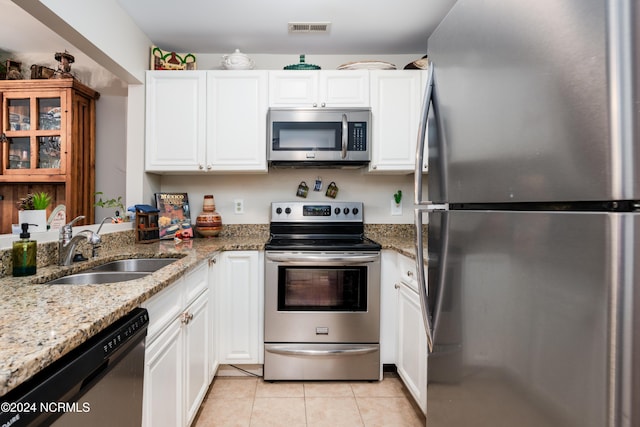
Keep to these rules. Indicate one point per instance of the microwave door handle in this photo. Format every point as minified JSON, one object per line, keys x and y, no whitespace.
{"x":422,"y":136}
{"x":345,"y":135}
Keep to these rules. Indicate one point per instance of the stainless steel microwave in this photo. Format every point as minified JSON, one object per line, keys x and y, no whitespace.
{"x":326,"y":137}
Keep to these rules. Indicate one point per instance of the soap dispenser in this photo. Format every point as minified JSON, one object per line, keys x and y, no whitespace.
{"x":24,"y":254}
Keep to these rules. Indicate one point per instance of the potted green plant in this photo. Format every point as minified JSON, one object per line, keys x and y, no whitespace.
{"x":110,"y":203}
{"x":32,"y":210}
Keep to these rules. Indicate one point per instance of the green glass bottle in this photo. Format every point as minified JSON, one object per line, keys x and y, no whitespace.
{"x":24,"y":254}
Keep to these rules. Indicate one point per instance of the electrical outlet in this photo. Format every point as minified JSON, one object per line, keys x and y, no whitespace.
{"x":396,"y":208}
{"x":238,"y":206}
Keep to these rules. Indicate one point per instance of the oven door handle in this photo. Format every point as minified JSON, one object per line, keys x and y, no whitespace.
{"x":294,"y":351}
{"x":307,"y":259}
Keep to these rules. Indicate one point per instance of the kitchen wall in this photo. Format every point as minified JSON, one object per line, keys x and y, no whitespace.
{"x":326,"y":62}
{"x":258,"y":191}
{"x":111,"y":149}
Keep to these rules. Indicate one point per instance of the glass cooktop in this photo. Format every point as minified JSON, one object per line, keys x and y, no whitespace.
{"x":322,"y":244}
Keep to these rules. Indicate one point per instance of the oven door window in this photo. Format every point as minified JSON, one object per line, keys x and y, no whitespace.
{"x":321,"y":136}
{"x":322,"y":289}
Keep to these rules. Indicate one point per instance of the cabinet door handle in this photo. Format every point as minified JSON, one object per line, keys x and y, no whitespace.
{"x":186,"y":318}
{"x":410,"y":273}
{"x":200,"y":166}
{"x":396,"y":285}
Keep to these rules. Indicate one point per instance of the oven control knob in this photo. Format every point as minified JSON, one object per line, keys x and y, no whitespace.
{"x":278,"y":211}
{"x":287,"y":210}
{"x":355,"y":211}
{"x":337,"y":211}
{"x":346,"y":211}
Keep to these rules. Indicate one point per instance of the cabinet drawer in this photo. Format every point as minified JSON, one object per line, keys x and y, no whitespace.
{"x":163,"y":308}
{"x":195,"y":282}
{"x":407,"y":268}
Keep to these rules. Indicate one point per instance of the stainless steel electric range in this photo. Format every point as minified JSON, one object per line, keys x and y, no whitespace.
{"x":322,"y":294}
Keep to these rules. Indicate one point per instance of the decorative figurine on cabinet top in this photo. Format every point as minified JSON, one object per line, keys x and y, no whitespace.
{"x":165,"y":60}
{"x":14,"y":71}
{"x":65,"y":59}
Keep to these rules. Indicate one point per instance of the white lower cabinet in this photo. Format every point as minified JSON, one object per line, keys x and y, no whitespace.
{"x":412,"y":345}
{"x":214,"y":279}
{"x":196,"y":356}
{"x":403,"y":337}
{"x":412,"y":340}
{"x":163,"y":379}
{"x":389,"y":307}
{"x":240,"y":307}
{"x":177,"y":356}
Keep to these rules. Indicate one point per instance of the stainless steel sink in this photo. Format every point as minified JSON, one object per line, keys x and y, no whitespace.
{"x":115,"y":271}
{"x":98,"y":277}
{"x":148,"y":265}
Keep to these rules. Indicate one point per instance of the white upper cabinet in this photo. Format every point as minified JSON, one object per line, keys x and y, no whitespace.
{"x":216,"y":121}
{"x":206,"y":121}
{"x":319,"y":89}
{"x":175,"y":121}
{"x":396,"y":97}
{"x":236,"y":121}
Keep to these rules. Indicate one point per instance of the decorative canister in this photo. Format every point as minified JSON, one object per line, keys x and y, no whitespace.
{"x":208,"y":222}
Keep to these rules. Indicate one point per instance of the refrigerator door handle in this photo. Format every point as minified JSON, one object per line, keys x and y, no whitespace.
{"x":422,"y":283}
{"x":422,"y":137}
{"x":431,"y":320}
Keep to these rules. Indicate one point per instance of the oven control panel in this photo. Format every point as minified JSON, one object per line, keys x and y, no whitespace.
{"x":317,"y":212}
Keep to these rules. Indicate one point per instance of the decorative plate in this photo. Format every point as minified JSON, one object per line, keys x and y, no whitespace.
{"x":367,"y":65}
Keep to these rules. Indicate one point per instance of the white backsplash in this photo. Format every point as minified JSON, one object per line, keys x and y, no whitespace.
{"x":258,"y":191}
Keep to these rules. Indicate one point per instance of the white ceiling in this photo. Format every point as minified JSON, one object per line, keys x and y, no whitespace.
{"x":256,"y":26}
{"x":259,"y":26}
{"x":362,"y":27}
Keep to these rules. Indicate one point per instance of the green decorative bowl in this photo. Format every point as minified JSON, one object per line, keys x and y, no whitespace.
{"x":302,"y":65}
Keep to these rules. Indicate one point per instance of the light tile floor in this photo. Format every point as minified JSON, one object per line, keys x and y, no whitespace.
{"x":252,"y":402}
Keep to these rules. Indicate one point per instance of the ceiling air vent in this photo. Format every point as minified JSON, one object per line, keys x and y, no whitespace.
{"x":308,"y":27}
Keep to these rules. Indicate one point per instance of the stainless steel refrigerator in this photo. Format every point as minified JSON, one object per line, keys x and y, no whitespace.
{"x":532,"y":301}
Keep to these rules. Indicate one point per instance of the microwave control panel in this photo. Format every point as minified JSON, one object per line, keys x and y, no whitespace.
{"x":357,"y":136}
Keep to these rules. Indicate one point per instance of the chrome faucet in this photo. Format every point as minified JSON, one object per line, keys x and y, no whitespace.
{"x":95,"y":246}
{"x":67,"y":242}
{"x":113,"y":219}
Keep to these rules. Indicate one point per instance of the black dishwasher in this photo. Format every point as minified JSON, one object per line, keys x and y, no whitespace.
{"x":98,"y":384}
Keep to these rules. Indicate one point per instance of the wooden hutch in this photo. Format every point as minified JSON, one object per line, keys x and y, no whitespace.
{"x":48,"y":144}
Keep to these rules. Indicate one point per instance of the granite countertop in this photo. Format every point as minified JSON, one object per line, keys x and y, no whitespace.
{"x":40,"y":323}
